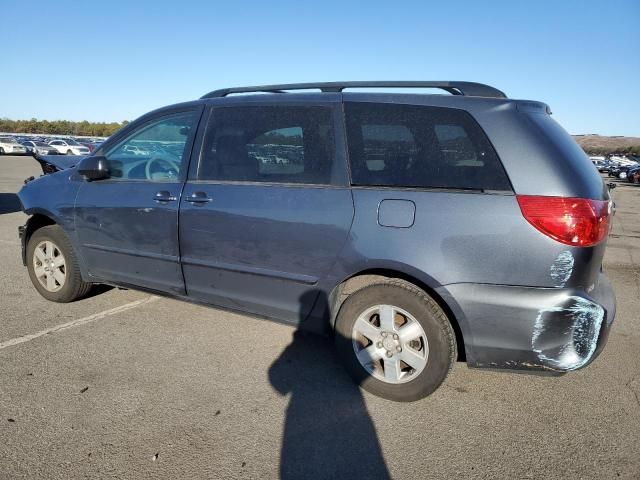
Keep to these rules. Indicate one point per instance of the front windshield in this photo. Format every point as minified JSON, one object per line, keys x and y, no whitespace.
{"x":71,"y":142}
{"x":8,"y":140}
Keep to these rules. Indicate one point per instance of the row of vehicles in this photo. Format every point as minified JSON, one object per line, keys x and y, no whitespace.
{"x":47,"y":146}
{"x":623,"y":167}
{"x":631,"y":173}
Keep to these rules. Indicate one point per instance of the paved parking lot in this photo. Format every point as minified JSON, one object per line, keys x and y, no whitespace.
{"x":127,"y":385}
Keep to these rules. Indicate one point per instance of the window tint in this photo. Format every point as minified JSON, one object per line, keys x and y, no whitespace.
{"x":279,"y":144}
{"x":155,"y":151}
{"x":416,"y":146}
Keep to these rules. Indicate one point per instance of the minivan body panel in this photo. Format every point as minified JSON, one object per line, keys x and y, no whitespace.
{"x":463,"y":237}
{"x":262,"y":248}
{"x":126,"y":236}
{"x":527,"y":328}
{"x":52,"y":196}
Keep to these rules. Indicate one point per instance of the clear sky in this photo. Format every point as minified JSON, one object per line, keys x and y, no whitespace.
{"x":115,"y":60}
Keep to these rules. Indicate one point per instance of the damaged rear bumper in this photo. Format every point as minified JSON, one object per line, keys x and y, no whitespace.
{"x":543,"y":329}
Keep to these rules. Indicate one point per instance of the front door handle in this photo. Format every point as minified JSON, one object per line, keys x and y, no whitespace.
{"x":198,"y":197}
{"x":163,"y":196}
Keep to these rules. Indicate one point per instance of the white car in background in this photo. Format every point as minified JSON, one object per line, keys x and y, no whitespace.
{"x":39,"y":148}
{"x":9,"y":146}
{"x":69,"y":147}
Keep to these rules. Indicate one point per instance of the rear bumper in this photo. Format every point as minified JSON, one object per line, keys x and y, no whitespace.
{"x":543,"y":329}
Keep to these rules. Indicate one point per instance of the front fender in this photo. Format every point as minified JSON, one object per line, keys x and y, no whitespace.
{"x":48,"y":200}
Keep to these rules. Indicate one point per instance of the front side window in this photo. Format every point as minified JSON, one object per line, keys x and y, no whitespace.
{"x":274,"y":144}
{"x":155,"y":152}
{"x":420,"y":146}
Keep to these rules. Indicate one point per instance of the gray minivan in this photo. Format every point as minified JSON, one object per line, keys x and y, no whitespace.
{"x":418,"y":229}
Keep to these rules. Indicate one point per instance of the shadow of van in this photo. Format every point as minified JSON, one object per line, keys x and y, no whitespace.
{"x":9,"y":203}
{"x":328,"y":432}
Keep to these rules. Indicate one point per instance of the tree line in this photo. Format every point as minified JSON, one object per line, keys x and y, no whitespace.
{"x":620,"y":150}
{"x":61,"y":127}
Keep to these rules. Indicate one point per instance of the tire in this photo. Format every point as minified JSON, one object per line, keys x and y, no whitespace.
{"x":64,"y":284}
{"x":432,"y":355}
{"x":69,"y":152}
{"x":1,"y":151}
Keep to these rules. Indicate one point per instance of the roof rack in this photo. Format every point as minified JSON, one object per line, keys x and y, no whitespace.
{"x":456,"y":88}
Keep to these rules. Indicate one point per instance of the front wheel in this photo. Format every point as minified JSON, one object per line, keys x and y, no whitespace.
{"x":53,"y":266}
{"x":395,"y":340}
{"x":69,"y":152}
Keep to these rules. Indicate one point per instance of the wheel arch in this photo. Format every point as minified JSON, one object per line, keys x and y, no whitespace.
{"x":35,"y":222}
{"x":369,"y":276}
{"x":39,"y":218}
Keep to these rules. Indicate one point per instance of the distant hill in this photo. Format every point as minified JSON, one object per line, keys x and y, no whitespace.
{"x":597,"y":145}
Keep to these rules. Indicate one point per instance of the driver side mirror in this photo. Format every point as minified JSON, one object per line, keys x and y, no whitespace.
{"x":93,"y":168}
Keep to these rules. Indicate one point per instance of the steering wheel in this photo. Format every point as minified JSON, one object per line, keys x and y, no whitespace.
{"x":172,"y":165}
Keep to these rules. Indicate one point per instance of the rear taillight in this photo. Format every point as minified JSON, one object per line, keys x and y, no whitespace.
{"x":579,"y":222}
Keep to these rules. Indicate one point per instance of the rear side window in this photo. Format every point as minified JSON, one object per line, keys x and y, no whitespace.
{"x":417,"y":146}
{"x":271,"y":144}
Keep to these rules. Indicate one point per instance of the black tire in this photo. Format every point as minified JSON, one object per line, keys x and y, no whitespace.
{"x":69,"y":152}
{"x":1,"y":151}
{"x":441,"y":338}
{"x":74,"y":287}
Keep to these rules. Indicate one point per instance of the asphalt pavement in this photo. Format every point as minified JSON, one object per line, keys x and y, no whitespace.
{"x":128,"y":385}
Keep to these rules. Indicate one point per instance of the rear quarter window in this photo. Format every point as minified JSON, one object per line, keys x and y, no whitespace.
{"x":419,"y":146}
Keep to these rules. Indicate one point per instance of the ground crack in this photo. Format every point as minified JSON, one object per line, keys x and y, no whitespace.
{"x":635,"y":394}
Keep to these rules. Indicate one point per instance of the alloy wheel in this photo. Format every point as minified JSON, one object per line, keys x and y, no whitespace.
{"x":390,"y":344}
{"x":49,"y":266}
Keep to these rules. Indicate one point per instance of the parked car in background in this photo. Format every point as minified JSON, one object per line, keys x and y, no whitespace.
{"x":601,"y":165}
{"x":406,"y":226}
{"x":633,"y":174}
{"x":39,"y":148}
{"x":69,"y":147}
{"x":89,"y":145}
{"x":620,"y":171}
{"x":622,"y":159}
{"x":10,"y":146}
{"x":604,"y":167}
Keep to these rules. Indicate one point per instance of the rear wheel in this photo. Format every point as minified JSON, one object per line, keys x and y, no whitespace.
{"x":53,"y":266}
{"x":395,"y":340}
{"x":1,"y":151}
{"x":69,"y":152}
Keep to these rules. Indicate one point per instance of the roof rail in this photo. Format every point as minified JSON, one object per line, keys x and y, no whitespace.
{"x":456,"y":88}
